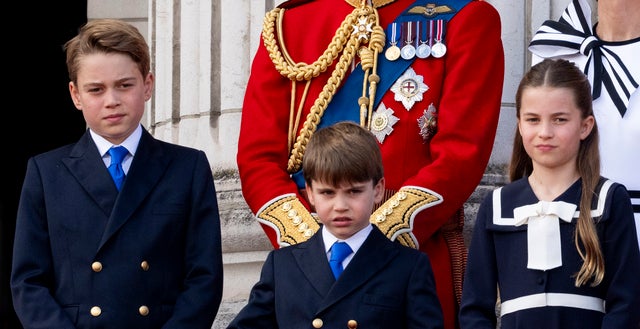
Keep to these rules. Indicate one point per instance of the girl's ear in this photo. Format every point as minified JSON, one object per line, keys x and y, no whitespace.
{"x":587,"y":126}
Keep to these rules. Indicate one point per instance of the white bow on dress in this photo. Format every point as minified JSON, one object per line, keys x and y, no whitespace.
{"x":543,"y":232}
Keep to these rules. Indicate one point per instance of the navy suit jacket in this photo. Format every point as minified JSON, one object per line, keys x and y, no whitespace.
{"x":86,"y":256}
{"x":386,"y":285}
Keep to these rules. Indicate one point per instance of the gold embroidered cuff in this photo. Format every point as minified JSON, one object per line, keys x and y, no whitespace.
{"x":291,"y":220}
{"x":395,"y":216}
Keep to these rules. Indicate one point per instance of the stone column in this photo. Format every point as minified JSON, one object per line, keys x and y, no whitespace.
{"x":197,"y":103}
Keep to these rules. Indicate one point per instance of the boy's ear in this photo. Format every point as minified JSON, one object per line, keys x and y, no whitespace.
{"x":149,"y":82}
{"x":73,"y":91}
{"x":379,"y":190}
{"x":307,"y":189}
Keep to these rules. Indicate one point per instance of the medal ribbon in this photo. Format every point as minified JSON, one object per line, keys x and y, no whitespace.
{"x":419,"y":33}
{"x":409,"y":33}
{"x":392,"y":30}
{"x":430,"y":32}
{"x":572,"y":34}
{"x":440,"y":31}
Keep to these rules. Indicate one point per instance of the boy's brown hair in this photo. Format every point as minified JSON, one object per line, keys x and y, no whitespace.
{"x":107,"y":36}
{"x":342,"y":153}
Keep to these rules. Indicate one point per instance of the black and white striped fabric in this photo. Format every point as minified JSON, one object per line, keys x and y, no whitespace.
{"x":571,"y":34}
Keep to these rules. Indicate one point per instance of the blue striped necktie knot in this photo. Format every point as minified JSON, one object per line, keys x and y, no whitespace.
{"x":339,"y":251}
{"x":115,"y":168}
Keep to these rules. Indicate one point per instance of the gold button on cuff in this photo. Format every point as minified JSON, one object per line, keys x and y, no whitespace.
{"x":96,"y":311}
{"x":143,"y":310}
{"x":144,"y":265}
{"x":96,"y":266}
{"x":352,"y":324}
{"x":317,"y":323}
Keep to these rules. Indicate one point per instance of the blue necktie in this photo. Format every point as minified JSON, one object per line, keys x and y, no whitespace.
{"x":115,"y":168}
{"x":339,"y":251}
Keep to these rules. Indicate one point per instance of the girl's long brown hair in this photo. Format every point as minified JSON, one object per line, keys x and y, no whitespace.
{"x":561,"y":73}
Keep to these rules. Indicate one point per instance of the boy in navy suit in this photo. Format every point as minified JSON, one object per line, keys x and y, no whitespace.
{"x":141,"y":250}
{"x":384,"y":284}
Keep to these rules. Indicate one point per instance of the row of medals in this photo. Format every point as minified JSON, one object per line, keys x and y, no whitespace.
{"x":426,"y":47}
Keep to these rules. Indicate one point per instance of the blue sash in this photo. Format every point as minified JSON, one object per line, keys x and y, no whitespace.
{"x":344,"y":104}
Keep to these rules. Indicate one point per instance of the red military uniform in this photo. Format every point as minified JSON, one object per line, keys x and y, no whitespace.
{"x":436,"y":120}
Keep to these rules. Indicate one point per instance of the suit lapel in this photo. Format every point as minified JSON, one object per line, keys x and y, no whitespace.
{"x":148,"y":166}
{"x":373,"y":256}
{"x":309,"y":256}
{"x":86,"y":165}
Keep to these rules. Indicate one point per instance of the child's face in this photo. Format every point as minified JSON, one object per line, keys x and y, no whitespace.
{"x":551,"y":127}
{"x":111,"y":93}
{"x":344,"y":210}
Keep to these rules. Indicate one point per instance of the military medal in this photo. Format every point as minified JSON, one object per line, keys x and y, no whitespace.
{"x":382,"y":122}
{"x":409,"y":88}
{"x":393,"y":52}
{"x":408,"y":51}
{"x":423,"y":50}
{"x":363,"y":29}
{"x":428,"y":123}
{"x":439,"y":49}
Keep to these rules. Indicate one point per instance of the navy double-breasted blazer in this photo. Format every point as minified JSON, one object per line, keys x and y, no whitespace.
{"x":386,"y":285}
{"x":86,"y":256}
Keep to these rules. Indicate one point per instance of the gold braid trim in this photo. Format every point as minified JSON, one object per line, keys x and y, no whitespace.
{"x":303,"y":71}
{"x":395,"y":216}
{"x":360,"y":27}
{"x":291,"y":220}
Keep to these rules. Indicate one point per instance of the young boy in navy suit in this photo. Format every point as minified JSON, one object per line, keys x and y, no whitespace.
{"x":384,"y":284}
{"x":139,"y":251}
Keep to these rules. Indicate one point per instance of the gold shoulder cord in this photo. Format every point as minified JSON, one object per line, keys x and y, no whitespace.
{"x":360,"y":33}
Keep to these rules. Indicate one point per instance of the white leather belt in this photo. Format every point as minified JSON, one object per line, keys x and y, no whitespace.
{"x":552,"y":299}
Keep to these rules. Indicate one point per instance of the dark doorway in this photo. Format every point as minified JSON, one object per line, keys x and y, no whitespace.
{"x":38,"y":112}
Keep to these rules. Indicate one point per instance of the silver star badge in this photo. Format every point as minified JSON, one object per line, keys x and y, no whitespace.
{"x":409,"y":88}
{"x":362,"y":29}
{"x":382,"y":122}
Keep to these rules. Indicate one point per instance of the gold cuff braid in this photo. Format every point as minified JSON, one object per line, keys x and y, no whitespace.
{"x":289,"y":217}
{"x":395,"y":216}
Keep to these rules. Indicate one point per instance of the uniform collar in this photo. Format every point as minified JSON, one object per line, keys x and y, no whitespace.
{"x":375,"y":3}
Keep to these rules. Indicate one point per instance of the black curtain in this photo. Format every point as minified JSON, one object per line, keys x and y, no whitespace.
{"x":38,"y":114}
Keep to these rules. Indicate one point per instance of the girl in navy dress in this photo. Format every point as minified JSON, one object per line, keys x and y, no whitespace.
{"x":556,"y":247}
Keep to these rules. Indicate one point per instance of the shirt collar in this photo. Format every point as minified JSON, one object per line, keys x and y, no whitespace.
{"x":131,"y":143}
{"x":355,"y":241}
